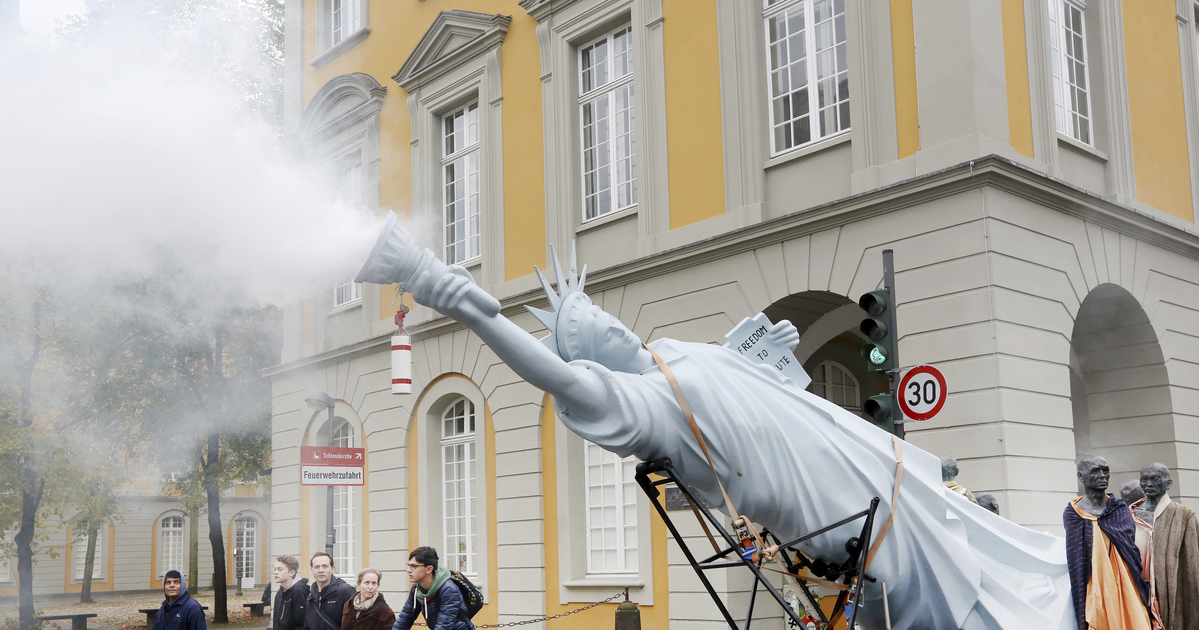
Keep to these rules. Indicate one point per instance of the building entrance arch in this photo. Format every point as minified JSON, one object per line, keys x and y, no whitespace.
{"x":1119,"y":386}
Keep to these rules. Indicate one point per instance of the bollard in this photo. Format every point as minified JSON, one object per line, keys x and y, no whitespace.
{"x":628,"y":616}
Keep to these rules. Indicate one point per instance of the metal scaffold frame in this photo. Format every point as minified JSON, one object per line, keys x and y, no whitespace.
{"x":849,"y":571}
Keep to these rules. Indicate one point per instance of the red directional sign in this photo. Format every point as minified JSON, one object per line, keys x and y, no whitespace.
{"x":922,"y":392}
{"x":332,"y":466}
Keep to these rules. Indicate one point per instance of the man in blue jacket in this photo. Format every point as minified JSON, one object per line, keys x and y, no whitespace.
{"x":434,"y":593}
{"x":179,"y":611}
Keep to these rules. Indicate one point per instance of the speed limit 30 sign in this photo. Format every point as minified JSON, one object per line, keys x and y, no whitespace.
{"x":922,"y":392}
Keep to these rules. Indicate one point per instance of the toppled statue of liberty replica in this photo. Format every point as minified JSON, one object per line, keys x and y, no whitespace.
{"x":790,"y":460}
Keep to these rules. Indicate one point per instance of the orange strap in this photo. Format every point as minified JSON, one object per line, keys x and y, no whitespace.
{"x":836,"y":586}
{"x":699,"y":436}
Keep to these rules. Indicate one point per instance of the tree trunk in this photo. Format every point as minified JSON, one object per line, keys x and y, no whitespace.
{"x":193,"y":550}
{"x":89,"y":564}
{"x":220,"y":587}
{"x":24,"y":540}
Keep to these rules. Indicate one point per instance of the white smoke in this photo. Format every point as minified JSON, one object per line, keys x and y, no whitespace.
{"x":136,"y":142}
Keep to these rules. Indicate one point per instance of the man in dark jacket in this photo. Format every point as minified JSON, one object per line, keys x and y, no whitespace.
{"x":179,"y":611}
{"x":290,"y":602}
{"x":327,"y":595}
{"x":434,"y":593}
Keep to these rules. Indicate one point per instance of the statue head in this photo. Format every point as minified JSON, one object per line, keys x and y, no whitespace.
{"x":987,"y":500}
{"x":1094,"y":473}
{"x":1130,"y":492}
{"x":949,"y":468}
{"x":1155,"y":481}
{"x":578,"y":328}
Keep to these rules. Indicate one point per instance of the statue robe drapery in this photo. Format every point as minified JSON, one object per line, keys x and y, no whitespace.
{"x":1117,"y":526}
{"x":795,"y":462}
{"x":1176,"y":564}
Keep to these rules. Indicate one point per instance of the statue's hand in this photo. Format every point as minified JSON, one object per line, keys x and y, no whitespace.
{"x":784,"y":334}
{"x":454,"y":294}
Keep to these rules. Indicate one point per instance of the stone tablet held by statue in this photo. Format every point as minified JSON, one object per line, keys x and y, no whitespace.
{"x":752,"y":339}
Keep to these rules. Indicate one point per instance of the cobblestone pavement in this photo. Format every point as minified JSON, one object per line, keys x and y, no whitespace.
{"x":120,"y":612}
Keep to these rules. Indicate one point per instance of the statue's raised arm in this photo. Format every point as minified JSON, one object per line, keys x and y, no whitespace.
{"x":451,"y":291}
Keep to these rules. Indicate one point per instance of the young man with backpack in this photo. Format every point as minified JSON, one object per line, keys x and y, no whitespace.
{"x":437,"y":593}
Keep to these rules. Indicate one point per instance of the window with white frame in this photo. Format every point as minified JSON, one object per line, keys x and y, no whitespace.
{"x":80,"y":549}
{"x":345,"y":19}
{"x":343,"y":509}
{"x":835,"y":384}
{"x":608,"y":123}
{"x":347,"y":184}
{"x":1068,"y":57}
{"x":459,"y":513}
{"x":611,"y":512}
{"x":246,"y":547}
{"x":170,"y":544}
{"x":461,"y":198}
{"x":809,"y":71}
{"x":6,"y":574}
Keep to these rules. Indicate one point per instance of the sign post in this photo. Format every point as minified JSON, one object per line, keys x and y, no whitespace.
{"x":332,"y":466}
{"x":922,"y":392}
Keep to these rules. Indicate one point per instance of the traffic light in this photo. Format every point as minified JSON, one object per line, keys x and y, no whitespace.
{"x":880,"y":408}
{"x":880,"y":351}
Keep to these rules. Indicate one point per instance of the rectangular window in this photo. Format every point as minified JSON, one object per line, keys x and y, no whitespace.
{"x":611,"y":512}
{"x":80,"y":546}
{"x":346,"y":19}
{"x":608,"y":124}
{"x":170,"y":544}
{"x":458,"y":486}
{"x":6,"y":574}
{"x":343,"y":510}
{"x":347,"y":184}
{"x":1068,"y":55}
{"x":805,"y":44}
{"x":461,"y":198}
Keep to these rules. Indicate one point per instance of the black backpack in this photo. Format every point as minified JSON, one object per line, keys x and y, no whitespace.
{"x":470,"y":594}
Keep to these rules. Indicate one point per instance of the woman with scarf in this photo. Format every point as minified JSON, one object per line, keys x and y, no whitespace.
{"x":367,"y":610}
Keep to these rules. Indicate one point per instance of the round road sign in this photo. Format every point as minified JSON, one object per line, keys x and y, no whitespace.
{"x":922,"y":392}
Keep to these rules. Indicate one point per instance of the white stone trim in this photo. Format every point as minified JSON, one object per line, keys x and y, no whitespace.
{"x":456,"y":62}
{"x":563,"y":27}
{"x":1188,"y":31}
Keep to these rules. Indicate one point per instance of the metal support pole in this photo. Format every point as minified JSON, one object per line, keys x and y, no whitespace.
{"x":329,"y":535}
{"x":893,"y":374}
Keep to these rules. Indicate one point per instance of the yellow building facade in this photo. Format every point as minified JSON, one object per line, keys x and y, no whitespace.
{"x":1032,"y":164}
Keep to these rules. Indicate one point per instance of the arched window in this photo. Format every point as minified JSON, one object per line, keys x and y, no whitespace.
{"x":835,"y":384}
{"x":170,"y":544}
{"x":246,"y":548}
{"x":343,"y":508}
{"x":458,"y":460}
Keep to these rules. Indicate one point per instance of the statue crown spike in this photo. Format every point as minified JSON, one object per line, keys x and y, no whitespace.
{"x":568,"y":286}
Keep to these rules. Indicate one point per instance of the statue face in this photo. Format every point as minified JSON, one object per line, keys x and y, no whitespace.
{"x":1155,"y":481}
{"x":615,"y":346}
{"x":1095,"y":474}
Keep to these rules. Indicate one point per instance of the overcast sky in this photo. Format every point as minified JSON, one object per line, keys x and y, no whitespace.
{"x":40,"y":15}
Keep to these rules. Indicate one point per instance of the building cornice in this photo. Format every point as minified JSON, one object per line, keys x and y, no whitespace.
{"x":993,"y":171}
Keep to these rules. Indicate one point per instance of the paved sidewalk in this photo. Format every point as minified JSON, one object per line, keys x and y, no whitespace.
{"x":120,"y":612}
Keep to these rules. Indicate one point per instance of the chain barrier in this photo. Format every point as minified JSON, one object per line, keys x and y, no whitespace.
{"x":540,"y":619}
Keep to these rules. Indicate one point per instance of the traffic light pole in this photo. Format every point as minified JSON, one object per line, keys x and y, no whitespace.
{"x":893,"y":373}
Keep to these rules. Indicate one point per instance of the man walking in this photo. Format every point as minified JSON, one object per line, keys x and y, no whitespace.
{"x":179,"y":611}
{"x":291,"y":600}
{"x":434,"y":593}
{"x":327,"y":596}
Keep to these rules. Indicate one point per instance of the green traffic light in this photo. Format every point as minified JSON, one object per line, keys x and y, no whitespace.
{"x":876,"y":356}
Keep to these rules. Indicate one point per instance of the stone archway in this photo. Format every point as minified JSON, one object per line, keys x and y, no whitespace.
{"x":828,"y":336}
{"x":1119,"y":386}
